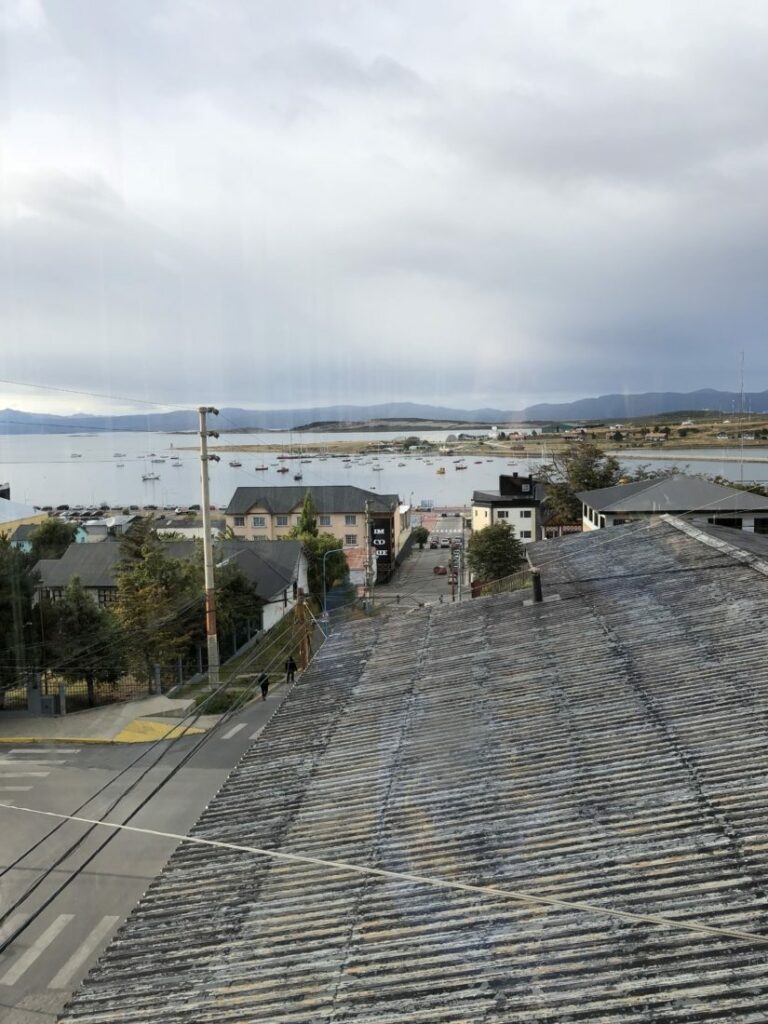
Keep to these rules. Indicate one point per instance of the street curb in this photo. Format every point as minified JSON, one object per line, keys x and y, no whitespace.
{"x":131,"y":733}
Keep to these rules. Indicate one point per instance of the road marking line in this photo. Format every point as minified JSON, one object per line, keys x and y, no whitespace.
{"x":24,"y":775}
{"x":41,"y":763}
{"x":39,"y":946}
{"x":44,"y":750}
{"x":64,"y":977}
{"x":255,"y":735}
{"x":15,"y":789}
{"x":233,"y":731}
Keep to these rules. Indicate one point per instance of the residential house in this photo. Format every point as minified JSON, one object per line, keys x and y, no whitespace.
{"x":676,"y":495}
{"x":95,"y":565}
{"x":269,"y":513}
{"x":518,"y":502}
{"x":490,"y":812}
{"x":277,"y":569}
{"x":21,"y":537}
{"x":93,"y":530}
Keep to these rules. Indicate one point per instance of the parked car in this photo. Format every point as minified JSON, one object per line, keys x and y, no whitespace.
{"x":445,"y":542}
{"x":434,"y":543}
{"x":440,"y":570}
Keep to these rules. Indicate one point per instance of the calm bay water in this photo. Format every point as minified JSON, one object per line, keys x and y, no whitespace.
{"x":41,"y":469}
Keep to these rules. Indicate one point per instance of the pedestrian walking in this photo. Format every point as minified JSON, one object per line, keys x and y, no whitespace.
{"x":290,"y":670}
{"x":264,"y":684}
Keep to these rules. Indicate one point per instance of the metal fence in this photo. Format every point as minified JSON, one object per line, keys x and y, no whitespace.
{"x":522,"y":580}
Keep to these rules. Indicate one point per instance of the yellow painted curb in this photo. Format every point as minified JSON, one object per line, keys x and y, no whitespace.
{"x":146,"y":730}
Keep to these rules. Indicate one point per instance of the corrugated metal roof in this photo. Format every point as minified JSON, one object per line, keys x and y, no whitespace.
{"x":609,"y":747}
{"x":673,"y":494}
{"x":332,"y":499}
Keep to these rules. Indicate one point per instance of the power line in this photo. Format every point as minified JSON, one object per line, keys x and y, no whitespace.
{"x":518,"y":896}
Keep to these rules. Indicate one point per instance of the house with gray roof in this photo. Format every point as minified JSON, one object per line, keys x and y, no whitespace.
{"x":490,"y":813}
{"x":357,"y":517}
{"x":674,"y":495}
{"x":277,"y":569}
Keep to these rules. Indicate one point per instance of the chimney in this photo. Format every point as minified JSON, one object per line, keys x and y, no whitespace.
{"x":536,"y":580}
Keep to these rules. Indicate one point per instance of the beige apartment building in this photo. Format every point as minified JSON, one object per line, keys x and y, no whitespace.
{"x":269,"y":513}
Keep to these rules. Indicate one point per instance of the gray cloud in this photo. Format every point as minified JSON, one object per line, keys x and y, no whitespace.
{"x":281,"y":203}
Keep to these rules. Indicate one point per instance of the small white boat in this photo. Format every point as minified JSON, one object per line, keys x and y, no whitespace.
{"x":150,"y":476}
{"x":235,"y":464}
{"x":176,"y":465}
{"x":75,"y":455}
{"x":260,"y":469}
{"x":297,"y":476}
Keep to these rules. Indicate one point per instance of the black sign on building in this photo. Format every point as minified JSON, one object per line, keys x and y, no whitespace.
{"x":381,"y":547}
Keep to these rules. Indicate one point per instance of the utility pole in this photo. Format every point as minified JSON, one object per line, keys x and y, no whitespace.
{"x":210,"y":586}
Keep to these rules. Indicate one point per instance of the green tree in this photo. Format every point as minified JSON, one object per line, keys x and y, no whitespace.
{"x":420,"y":536}
{"x":17,"y":624}
{"x":236,"y":599}
{"x":82,"y":641}
{"x":159,"y":601}
{"x":316,"y":545}
{"x":581,"y":467}
{"x":307,"y":522}
{"x":494,"y":552}
{"x":51,"y":539}
{"x":335,"y":564}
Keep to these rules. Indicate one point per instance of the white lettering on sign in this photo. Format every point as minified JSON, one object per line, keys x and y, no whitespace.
{"x":379,"y":529}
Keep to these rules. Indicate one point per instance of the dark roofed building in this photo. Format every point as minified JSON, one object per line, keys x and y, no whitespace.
{"x":95,"y":565}
{"x":269,"y":513}
{"x":517,"y":503}
{"x":605,"y":750}
{"x":277,"y":570}
{"x":675,"y":495}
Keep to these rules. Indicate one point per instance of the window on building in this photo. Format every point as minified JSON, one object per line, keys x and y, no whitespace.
{"x":350,"y":539}
{"x":324,"y":520}
{"x":525,"y":513}
{"x":525,"y":533}
{"x":54,"y":593}
{"x":502,"y":514}
{"x":281,"y":520}
{"x":526,"y":488}
{"x":350,"y":520}
{"x":106,"y":595}
{"x":259,"y":522}
{"x":239,"y":520}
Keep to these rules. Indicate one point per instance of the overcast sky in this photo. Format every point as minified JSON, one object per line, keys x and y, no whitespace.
{"x":283,"y":203}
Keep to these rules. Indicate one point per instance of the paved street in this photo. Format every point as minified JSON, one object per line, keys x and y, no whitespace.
{"x":415,"y":581}
{"x":45,"y":963}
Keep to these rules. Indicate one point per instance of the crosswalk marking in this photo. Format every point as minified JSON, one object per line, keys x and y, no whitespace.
{"x":255,"y":735}
{"x":44,"y":750}
{"x":233,"y":731}
{"x":24,"y":775}
{"x":39,"y":946}
{"x":4,"y":760}
{"x":64,"y":977}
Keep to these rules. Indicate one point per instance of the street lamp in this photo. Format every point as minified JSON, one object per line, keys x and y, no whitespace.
{"x":332,"y":551}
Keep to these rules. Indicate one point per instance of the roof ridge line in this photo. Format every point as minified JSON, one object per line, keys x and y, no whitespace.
{"x":746,"y":557}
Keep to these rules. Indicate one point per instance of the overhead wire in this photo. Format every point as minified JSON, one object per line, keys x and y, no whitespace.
{"x":497,"y":892}
{"x":10,"y":938}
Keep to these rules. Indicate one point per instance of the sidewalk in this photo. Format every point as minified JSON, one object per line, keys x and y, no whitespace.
{"x":138,"y":721}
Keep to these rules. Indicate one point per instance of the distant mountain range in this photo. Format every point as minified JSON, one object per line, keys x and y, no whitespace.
{"x":605,"y":407}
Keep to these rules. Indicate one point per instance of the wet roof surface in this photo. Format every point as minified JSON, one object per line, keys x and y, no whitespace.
{"x":607,"y":747}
